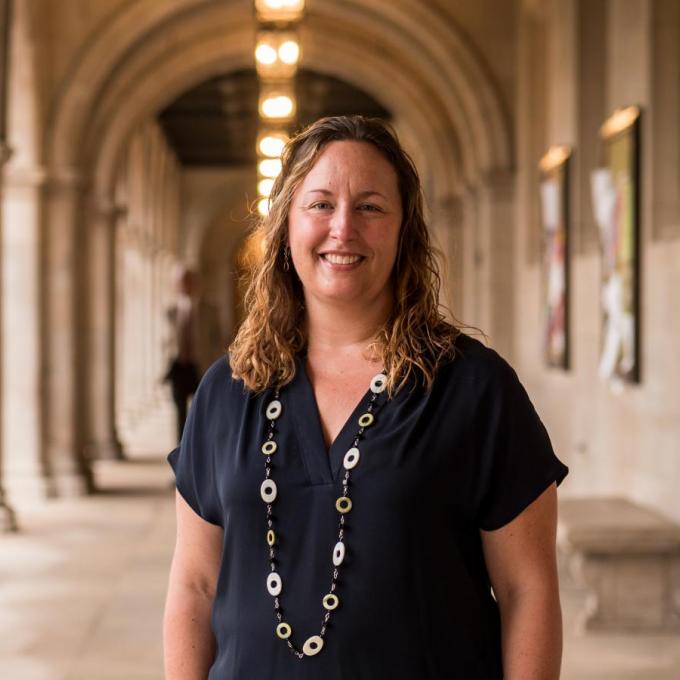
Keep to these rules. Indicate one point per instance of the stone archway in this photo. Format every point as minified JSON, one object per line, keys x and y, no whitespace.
{"x":149,"y":52}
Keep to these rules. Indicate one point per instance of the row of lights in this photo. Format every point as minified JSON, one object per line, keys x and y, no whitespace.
{"x":277,"y":55}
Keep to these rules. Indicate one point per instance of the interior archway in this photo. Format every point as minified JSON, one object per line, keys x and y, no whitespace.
{"x":446,"y":110}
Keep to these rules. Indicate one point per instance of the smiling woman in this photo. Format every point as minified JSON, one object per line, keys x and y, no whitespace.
{"x":358,"y":473}
{"x":347,"y":187}
{"x":344,"y":235}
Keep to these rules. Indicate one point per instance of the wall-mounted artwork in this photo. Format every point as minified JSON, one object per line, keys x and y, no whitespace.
{"x":616,"y":202}
{"x":554,"y":186}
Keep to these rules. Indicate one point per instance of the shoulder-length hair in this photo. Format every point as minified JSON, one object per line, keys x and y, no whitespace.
{"x":413,"y":341}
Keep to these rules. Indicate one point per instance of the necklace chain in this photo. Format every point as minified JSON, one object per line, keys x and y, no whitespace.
{"x":343,"y":505}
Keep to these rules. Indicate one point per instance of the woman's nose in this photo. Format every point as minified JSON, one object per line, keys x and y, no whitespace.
{"x":342,"y":222}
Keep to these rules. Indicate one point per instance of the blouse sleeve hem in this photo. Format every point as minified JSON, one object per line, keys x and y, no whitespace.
{"x":188,"y":498}
{"x":556,"y":474}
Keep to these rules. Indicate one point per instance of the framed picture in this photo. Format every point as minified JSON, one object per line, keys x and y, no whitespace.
{"x":554,"y":192}
{"x":616,"y":201}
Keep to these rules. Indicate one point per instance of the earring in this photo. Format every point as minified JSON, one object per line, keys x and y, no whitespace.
{"x":286,"y":258}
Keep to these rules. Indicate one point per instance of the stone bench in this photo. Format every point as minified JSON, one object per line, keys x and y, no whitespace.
{"x":628,"y":559}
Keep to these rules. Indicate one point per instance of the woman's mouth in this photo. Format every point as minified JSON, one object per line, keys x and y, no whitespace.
{"x":341,"y":260}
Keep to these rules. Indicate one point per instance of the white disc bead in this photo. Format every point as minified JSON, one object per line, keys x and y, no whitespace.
{"x":274,"y":583}
{"x":338,"y":553}
{"x":351,"y":458}
{"x":268,"y":490}
{"x":273,"y":409}
{"x":378,"y":383}
{"x":312,"y":645}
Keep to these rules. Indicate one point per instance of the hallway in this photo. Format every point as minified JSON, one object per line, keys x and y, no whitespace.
{"x":82,"y":588}
{"x":140,"y":142}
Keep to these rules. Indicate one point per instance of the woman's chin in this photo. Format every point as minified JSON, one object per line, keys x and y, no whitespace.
{"x":343,"y":295}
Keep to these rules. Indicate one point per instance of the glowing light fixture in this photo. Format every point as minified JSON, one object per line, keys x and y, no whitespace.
{"x":555,"y":156}
{"x":271,"y":144}
{"x":277,"y":102}
{"x":277,"y":107}
{"x":619,"y":121}
{"x":269,"y":167}
{"x":264,"y":187}
{"x":279,"y":10}
{"x":289,"y":52}
{"x":265,"y":54}
{"x":277,"y":54}
{"x":263,"y":206}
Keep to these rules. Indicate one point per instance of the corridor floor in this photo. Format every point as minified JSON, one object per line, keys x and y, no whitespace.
{"x":82,"y":589}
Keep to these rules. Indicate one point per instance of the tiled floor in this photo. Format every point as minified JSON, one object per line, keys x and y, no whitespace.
{"x":82,"y":590}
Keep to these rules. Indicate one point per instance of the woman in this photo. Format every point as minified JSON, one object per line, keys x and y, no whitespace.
{"x":336,"y":521}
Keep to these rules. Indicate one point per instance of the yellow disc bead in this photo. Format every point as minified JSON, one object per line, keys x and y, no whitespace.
{"x":343,"y":504}
{"x":284,"y":631}
{"x":269,"y":448}
{"x":271,"y":537}
{"x":366,"y":420}
{"x":330,"y":601}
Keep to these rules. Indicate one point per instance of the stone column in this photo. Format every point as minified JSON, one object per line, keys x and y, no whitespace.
{"x":7,"y":515}
{"x":66,"y":415}
{"x":137,"y":296}
{"x":25,"y":473}
{"x":449,"y":227}
{"x":102,"y":440}
{"x":126,"y":323}
{"x":495,"y":265}
{"x":470,"y":258}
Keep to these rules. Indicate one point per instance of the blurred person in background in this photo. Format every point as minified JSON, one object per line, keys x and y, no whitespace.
{"x":195,"y":339}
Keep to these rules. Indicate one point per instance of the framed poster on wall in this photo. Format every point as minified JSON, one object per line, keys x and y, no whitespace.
{"x":616,"y":202}
{"x":554,"y":194}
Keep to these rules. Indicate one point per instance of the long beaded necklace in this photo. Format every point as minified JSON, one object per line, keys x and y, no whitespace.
{"x":268,"y":491}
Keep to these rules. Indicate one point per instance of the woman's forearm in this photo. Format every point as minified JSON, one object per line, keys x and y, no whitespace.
{"x":188,"y":640}
{"x":532,"y":635}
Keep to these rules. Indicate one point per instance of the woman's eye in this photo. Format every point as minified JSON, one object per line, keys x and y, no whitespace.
{"x":321,"y":204}
{"x":368,"y":206}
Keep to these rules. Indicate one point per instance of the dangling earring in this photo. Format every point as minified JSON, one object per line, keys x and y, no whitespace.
{"x":286,"y":260}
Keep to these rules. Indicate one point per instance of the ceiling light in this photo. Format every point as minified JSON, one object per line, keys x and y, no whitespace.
{"x":269,"y":167}
{"x":271,"y":144}
{"x":263,"y":207}
{"x":265,"y":54}
{"x":281,"y":106}
{"x":279,"y":10}
{"x":289,"y":52}
{"x":264,"y":187}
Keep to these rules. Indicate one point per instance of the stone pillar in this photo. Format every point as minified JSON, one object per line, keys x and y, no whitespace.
{"x":25,"y":473}
{"x":469,"y":258}
{"x":7,"y":515}
{"x":449,"y":227}
{"x":102,"y":440}
{"x":65,"y":388}
{"x":137,"y":296}
{"x":495,"y":260}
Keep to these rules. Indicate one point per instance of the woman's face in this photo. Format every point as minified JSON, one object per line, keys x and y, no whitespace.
{"x":343,"y":225}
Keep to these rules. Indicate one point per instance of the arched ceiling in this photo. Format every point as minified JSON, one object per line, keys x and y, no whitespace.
{"x":216,"y":122}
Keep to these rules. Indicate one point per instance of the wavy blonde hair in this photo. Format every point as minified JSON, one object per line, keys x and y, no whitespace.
{"x":414,"y":340}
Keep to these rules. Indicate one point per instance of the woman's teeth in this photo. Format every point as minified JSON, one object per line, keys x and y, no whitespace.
{"x":341,"y":259}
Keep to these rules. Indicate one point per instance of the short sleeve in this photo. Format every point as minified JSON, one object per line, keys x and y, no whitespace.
{"x":193,"y":461}
{"x":517,"y":461}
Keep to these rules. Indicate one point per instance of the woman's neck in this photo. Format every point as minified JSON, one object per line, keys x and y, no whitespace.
{"x":343,"y":332}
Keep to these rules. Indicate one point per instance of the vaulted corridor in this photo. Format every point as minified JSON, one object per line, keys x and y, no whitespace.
{"x":138,"y":142}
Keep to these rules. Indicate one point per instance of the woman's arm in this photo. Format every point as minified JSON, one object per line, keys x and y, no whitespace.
{"x":188,"y":641}
{"x":521,"y":561}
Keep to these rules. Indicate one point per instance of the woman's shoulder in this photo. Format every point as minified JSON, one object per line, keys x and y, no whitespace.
{"x":218,"y":382}
{"x":478,"y":363}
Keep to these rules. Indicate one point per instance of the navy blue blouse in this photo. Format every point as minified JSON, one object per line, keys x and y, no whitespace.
{"x":415,"y":596}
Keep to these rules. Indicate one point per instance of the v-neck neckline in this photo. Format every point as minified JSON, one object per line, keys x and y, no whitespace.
{"x":324,"y":463}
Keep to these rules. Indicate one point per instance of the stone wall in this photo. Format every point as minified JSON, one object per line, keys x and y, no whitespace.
{"x":601,"y":56}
